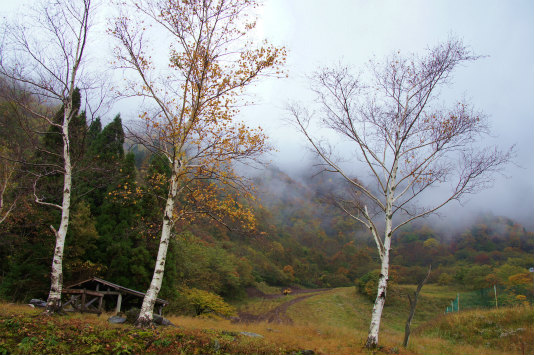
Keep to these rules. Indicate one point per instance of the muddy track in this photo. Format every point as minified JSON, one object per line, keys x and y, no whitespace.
{"x":278,"y":314}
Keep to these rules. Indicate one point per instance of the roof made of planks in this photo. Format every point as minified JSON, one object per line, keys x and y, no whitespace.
{"x":117,"y":288}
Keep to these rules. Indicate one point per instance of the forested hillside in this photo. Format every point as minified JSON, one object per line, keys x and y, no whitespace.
{"x":298,"y":238}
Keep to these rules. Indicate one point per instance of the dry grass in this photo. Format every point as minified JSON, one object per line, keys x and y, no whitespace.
{"x":336,"y":321}
{"x":437,"y":346}
{"x":261,"y":305}
{"x":331,"y":322}
{"x":24,"y":309}
{"x":320,"y":338}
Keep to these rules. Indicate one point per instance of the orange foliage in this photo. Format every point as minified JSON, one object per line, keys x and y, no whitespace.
{"x":192,"y":122}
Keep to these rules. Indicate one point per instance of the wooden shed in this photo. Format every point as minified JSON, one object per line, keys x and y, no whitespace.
{"x":90,"y":296}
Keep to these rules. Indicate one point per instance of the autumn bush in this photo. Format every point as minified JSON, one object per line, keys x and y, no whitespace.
{"x":206,"y":303}
{"x":367,"y":284}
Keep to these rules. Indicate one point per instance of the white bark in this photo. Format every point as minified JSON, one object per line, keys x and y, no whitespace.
{"x":147,"y":309}
{"x":56,"y":275}
{"x":376,"y":315}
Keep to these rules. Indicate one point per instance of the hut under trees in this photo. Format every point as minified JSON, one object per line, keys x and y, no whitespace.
{"x":95,"y":295}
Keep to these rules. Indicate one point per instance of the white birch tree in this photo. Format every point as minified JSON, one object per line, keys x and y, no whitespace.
{"x":42,"y":59}
{"x":405,"y":140}
{"x":192,"y":102}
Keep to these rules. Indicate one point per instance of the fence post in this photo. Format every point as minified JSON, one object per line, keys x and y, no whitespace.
{"x":531,"y":269}
{"x":458,"y":301}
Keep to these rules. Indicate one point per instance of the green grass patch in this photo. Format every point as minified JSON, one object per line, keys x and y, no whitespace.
{"x":510,"y":328}
{"x":340,"y":307}
{"x":432,"y":301}
{"x":268,"y":290}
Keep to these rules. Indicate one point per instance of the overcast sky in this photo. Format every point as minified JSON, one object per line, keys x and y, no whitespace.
{"x":318,"y":33}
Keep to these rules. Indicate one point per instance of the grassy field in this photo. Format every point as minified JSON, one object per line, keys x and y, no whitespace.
{"x":336,"y":322}
{"x":329,"y":322}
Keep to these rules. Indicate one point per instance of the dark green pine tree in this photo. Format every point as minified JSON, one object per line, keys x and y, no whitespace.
{"x":111,"y":190}
{"x":82,"y":245}
{"x":102,"y":163}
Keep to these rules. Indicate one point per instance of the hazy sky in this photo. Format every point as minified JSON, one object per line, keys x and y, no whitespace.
{"x":318,"y":33}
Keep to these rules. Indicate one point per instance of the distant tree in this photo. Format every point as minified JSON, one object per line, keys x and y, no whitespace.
{"x":431,"y":243}
{"x":505,"y":271}
{"x":520,"y":284}
{"x":406,"y":142}
{"x":191,"y":123}
{"x":42,"y":60}
{"x":444,"y":279}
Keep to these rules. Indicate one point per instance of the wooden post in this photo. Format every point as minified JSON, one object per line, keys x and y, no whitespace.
{"x":100,"y":304}
{"x":119,"y":301}
{"x":83,"y":300}
{"x":458,"y":301}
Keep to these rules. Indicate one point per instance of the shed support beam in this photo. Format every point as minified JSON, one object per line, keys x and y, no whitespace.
{"x":100,"y":305}
{"x":119,"y":301}
{"x":83,"y":301}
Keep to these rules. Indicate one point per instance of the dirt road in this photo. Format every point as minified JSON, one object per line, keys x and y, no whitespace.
{"x":278,"y":314}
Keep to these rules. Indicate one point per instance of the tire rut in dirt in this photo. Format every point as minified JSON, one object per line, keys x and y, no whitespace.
{"x":277,"y":315}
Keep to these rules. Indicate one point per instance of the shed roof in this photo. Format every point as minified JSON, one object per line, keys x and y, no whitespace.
{"x":114,"y":286}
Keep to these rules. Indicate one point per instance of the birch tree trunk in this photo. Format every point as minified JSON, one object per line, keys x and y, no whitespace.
{"x":147,"y":309}
{"x":372,"y":338}
{"x":376,"y":315}
{"x":56,"y":276}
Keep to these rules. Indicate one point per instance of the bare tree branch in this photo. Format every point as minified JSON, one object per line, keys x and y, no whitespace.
{"x":404,"y":141}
